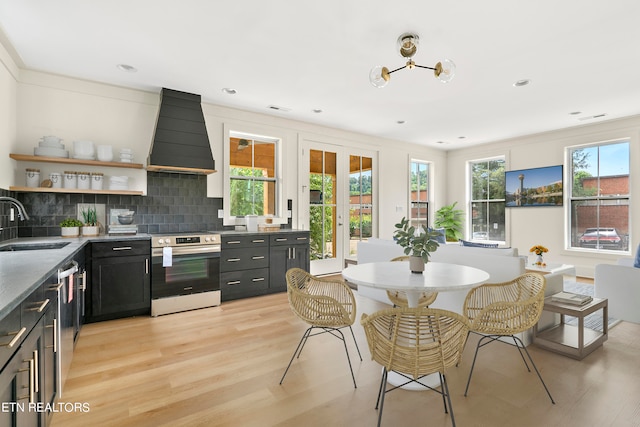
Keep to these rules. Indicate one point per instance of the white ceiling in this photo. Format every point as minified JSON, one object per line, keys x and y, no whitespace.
{"x":581,"y":56}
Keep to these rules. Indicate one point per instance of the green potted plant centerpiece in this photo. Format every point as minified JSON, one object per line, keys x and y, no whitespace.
{"x":90,"y":226}
{"x":418,"y":243}
{"x":70,"y":227}
{"x":450,"y":218}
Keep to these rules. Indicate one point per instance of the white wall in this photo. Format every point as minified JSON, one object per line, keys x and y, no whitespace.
{"x":546,"y":225}
{"x":45,"y":104}
{"x":8,"y":105}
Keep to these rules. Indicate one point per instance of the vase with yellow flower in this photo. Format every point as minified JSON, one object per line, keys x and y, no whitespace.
{"x":539,"y":250}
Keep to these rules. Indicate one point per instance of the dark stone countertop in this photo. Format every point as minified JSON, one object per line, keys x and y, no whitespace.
{"x":282,"y":230}
{"x":21,"y":272}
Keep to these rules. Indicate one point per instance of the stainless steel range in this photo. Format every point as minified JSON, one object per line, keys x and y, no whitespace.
{"x":185,"y":272}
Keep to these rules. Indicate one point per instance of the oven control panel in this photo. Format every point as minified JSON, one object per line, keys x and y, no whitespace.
{"x":185,"y":240}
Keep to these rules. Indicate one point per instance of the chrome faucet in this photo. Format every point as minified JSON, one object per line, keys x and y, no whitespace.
{"x":22,"y":213}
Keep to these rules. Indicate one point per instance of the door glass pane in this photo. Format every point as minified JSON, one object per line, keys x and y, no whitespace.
{"x":360,"y":201}
{"x":322,"y":201}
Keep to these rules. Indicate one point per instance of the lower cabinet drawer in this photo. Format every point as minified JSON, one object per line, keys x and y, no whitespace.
{"x":244,"y":283}
{"x":11,"y":335}
{"x":163,"y":291}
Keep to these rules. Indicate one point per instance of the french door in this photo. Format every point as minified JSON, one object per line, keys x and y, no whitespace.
{"x":337,"y":200}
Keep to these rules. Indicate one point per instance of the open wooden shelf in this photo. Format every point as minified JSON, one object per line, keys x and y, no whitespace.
{"x":70,"y":161}
{"x":73,"y":190}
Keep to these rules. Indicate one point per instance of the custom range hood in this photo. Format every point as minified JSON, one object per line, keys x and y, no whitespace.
{"x":180,"y":141}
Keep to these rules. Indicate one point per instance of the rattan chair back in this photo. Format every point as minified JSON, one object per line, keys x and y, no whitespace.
{"x":415,"y":341}
{"x":506,"y":308}
{"x":320,"y":302}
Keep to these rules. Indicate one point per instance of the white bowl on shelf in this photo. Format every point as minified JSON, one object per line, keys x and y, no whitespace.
{"x":50,"y":152}
{"x":105,"y":153}
{"x":84,"y":150}
{"x":51,"y":144}
{"x":51,"y":139}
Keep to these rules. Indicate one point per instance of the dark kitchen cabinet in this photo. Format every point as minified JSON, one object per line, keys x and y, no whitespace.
{"x":20,"y":383}
{"x":244,"y":266}
{"x":120,"y":283}
{"x":253,"y":264}
{"x":287,"y":250}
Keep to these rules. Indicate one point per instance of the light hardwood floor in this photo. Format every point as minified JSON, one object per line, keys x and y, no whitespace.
{"x":221,"y":367}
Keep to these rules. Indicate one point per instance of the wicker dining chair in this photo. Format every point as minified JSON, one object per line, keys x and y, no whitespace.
{"x":327,"y":305}
{"x":415,"y":342}
{"x":399,"y":298}
{"x":500,"y":310}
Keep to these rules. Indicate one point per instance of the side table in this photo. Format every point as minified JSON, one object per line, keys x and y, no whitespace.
{"x":565,"y":269}
{"x":576,"y":342}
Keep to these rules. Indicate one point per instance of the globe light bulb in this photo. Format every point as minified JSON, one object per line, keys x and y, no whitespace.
{"x":445,"y":71}
{"x":379,"y":76}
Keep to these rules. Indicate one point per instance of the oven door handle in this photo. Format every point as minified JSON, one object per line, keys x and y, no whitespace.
{"x":193,"y":250}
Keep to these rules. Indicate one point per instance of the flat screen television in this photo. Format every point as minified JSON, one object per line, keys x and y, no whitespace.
{"x":533,"y":187}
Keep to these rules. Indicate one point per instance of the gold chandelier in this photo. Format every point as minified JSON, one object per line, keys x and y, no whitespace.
{"x":408,"y":46}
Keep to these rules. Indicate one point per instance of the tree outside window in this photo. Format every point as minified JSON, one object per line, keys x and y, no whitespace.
{"x":487,"y":200}
{"x":599,"y":209}
{"x":252,"y":177}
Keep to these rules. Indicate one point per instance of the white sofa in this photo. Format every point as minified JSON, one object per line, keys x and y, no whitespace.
{"x":620,"y":284}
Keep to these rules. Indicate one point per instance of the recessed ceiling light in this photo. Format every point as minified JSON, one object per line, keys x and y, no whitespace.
{"x":575,"y":113}
{"x":400,"y":122}
{"x":317,"y":110}
{"x":229,"y":91}
{"x":278,"y":108}
{"x":461,"y":137}
{"x":440,"y":142}
{"x":127,"y":68}
{"x":522,"y":82}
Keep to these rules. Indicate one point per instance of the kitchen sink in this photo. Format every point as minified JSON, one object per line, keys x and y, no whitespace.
{"x":14,"y":247}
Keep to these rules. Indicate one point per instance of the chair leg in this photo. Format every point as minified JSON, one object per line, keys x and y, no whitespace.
{"x":534,"y":367}
{"x":356,"y":342}
{"x":445,"y":391}
{"x":473,"y":365}
{"x":520,"y":345}
{"x":298,"y":350}
{"x":344,"y":341}
{"x":520,"y":351}
{"x":444,"y":402}
{"x":381,"y":394}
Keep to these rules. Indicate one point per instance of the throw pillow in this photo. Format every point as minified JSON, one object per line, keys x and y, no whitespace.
{"x":442,"y":237}
{"x":636,"y":262}
{"x":477,"y":245}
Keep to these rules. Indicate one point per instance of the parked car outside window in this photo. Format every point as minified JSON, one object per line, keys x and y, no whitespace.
{"x":601,"y":238}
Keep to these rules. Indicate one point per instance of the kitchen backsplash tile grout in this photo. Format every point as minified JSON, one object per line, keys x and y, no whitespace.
{"x":174,"y":203}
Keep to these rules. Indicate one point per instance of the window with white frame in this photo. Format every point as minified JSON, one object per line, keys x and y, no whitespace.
{"x":599,"y":194}
{"x":253,"y":184}
{"x":419,"y":193}
{"x":487,"y":204}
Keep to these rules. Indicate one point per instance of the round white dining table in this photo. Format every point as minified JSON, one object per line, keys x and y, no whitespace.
{"x":396,"y":276}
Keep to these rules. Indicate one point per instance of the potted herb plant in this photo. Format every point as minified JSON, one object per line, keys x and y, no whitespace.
{"x":90,"y":226}
{"x":418,"y":243}
{"x":450,"y":218}
{"x":70,"y":227}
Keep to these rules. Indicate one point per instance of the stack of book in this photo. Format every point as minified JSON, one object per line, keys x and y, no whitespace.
{"x":571,"y":298}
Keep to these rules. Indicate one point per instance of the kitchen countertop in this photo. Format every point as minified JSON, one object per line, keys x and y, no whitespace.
{"x":21,"y":272}
{"x":282,"y":230}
